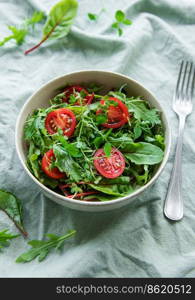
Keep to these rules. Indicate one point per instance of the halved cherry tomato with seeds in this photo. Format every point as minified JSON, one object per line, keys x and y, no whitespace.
{"x":117,"y":115}
{"x":61,"y":118}
{"x":46,"y":162}
{"x":109,"y":167}
{"x":75,"y":90}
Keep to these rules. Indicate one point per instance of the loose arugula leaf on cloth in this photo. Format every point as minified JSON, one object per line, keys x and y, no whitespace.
{"x":5,"y":238}
{"x":59,"y":21}
{"x":19,"y":33}
{"x":41,"y":248}
{"x":12,"y":207}
{"x":120,"y":20}
{"x":37,"y":17}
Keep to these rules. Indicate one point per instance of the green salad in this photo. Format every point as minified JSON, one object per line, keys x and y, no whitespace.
{"x":92,"y":146}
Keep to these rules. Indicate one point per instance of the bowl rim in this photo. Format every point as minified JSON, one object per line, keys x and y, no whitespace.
{"x":95,"y":203}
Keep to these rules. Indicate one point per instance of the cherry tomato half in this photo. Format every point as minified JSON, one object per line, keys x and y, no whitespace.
{"x":73,"y":90}
{"x":117,"y":115}
{"x":62,"y":118}
{"x":109,"y":167}
{"x":46,"y":162}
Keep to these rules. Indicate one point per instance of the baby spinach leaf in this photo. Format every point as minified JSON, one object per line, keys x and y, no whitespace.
{"x":143,"y":153}
{"x":41,"y":249}
{"x":12,"y":207}
{"x":59,"y":21}
{"x":137,"y":131}
{"x":110,"y":190}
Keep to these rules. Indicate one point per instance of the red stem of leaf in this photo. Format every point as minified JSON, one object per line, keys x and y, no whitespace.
{"x":23,"y":232}
{"x":35,"y":47}
{"x":41,"y":42}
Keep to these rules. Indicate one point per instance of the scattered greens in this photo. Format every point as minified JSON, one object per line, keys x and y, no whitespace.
{"x":120,"y":19}
{"x":19,"y":33}
{"x":92,"y":17}
{"x":141,"y":141}
{"x":41,"y":248}
{"x":59,"y":21}
{"x":12,"y":207}
{"x":5,"y":237}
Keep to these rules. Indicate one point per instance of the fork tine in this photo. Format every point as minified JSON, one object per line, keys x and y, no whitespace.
{"x":187,"y":94}
{"x":178,"y":81}
{"x":184,"y":82}
{"x":193,"y":83}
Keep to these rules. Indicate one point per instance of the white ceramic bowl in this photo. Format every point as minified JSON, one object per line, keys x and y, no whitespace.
{"x":108,"y":80}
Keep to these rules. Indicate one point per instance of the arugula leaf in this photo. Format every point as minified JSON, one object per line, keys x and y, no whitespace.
{"x":71,"y":148}
{"x":12,"y":207}
{"x":5,"y":237}
{"x":33,"y":159}
{"x":101,"y":119}
{"x":92,"y":17}
{"x":142,"y":113}
{"x":65,"y":163}
{"x":59,"y":21}
{"x":143,"y":177}
{"x":120,"y":19}
{"x":93,"y":87}
{"x":19,"y":33}
{"x":143,"y":153}
{"x":41,"y":248}
{"x":107,"y":149}
{"x":37,"y":17}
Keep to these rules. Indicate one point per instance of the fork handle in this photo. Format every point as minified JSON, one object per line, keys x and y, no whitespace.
{"x":174,"y":202}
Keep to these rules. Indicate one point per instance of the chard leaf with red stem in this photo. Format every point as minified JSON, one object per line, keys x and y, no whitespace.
{"x":59,"y":21}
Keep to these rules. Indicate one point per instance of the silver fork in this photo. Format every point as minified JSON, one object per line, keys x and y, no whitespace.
{"x":182,"y":105}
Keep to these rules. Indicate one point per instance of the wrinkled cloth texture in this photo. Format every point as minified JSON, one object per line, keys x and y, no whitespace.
{"x":136,"y":240}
